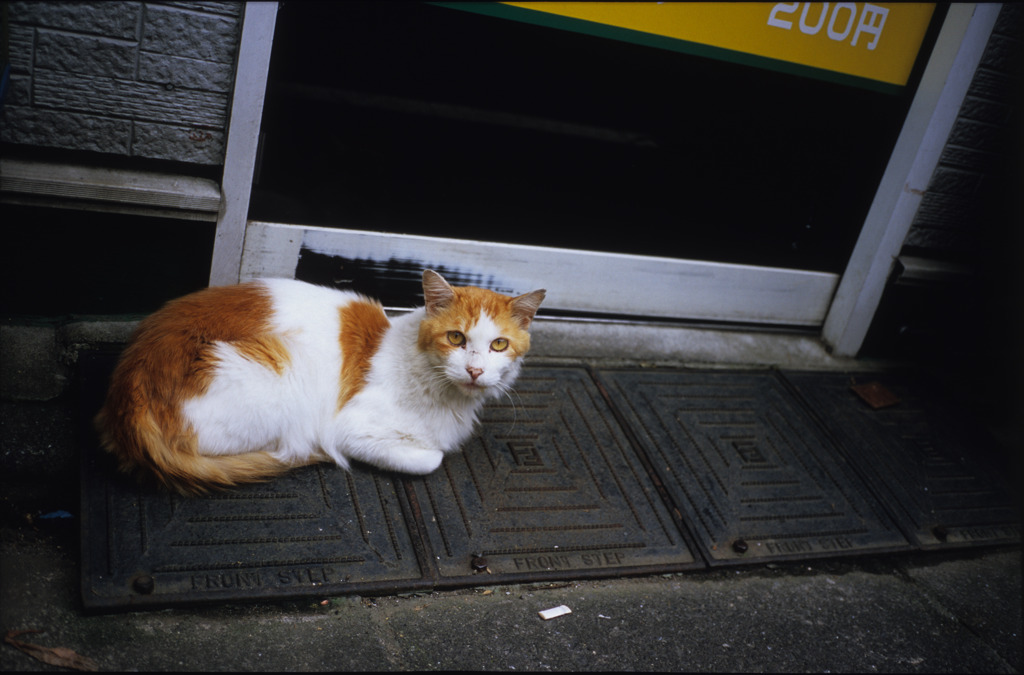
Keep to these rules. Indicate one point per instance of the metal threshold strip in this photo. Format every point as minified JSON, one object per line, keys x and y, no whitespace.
{"x":587,"y":473}
{"x":106,"y":189}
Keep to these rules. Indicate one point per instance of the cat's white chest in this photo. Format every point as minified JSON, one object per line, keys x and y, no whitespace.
{"x":403,"y":397}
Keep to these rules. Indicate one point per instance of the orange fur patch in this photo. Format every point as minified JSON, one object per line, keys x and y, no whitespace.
{"x":266,"y":350}
{"x":465,"y":311}
{"x":363,"y":324}
{"x":170,"y":360}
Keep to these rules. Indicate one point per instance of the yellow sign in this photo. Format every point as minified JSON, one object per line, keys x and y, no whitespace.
{"x":877,"y":42}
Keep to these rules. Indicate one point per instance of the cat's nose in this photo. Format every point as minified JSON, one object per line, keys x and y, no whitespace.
{"x":474,"y":372}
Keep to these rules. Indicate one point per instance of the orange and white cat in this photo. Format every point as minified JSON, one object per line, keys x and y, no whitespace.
{"x":236,"y":384}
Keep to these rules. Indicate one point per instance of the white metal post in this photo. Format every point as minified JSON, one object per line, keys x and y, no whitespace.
{"x":243,"y":139}
{"x":950,"y":69}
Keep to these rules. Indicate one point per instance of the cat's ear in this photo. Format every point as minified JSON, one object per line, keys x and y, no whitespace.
{"x":524,"y":307}
{"x":437,"y":293}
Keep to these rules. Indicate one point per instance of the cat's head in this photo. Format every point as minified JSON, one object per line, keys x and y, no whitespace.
{"x":475,"y":338}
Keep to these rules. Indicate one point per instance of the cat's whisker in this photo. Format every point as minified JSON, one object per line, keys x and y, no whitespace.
{"x":439,"y":377}
{"x":515,"y":414}
{"x":506,"y":390}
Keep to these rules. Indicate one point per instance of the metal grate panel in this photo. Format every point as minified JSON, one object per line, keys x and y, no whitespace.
{"x":936,"y":471}
{"x":551,"y":485}
{"x":315,"y":530}
{"x":751,"y":472}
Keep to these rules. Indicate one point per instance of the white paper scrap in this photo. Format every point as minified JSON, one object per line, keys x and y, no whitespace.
{"x":554,"y":612}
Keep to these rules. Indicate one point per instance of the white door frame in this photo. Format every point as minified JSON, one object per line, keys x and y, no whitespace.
{"x":625,"y":284}
{"x":576,"y":281}
{"x":258,"y":22}
{"x":949,"y":72}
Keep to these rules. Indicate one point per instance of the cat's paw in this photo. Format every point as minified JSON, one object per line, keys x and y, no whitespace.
{"x":417,"y":461}
{"x":403,"y":455}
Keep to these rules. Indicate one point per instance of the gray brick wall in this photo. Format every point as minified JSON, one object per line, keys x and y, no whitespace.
{"x":948,"y":220}
{"x":140,"y":79}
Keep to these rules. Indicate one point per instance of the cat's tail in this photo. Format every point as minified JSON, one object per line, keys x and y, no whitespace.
{"x":145,"y":449}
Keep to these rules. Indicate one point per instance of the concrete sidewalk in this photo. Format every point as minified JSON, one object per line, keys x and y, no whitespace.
{"x":952,"y":611}
{"x":936,"y":612}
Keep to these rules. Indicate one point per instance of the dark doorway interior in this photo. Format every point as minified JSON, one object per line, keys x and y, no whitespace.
{"x":417,"y":118}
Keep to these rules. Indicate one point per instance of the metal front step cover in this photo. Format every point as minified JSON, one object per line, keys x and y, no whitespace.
{"x":575,"y":474}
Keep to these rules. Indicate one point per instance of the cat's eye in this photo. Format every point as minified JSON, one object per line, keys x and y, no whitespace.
{"x":456,"y":338}
{"x":499,"y":344}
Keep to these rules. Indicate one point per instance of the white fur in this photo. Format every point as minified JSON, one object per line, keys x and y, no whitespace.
{"x":411,"y":411}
